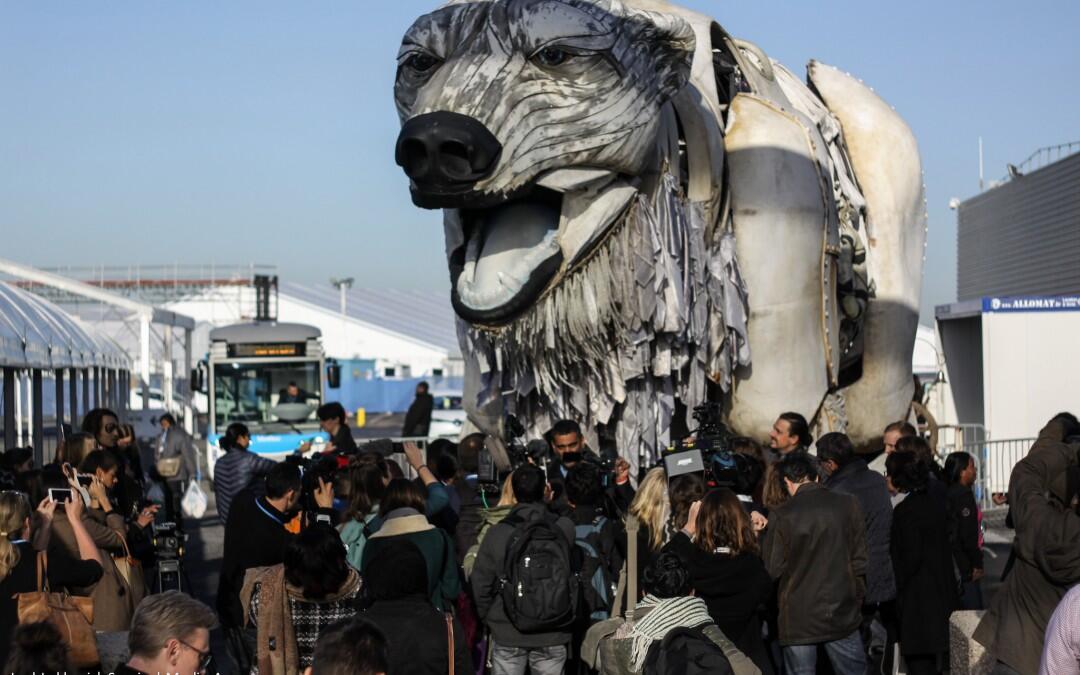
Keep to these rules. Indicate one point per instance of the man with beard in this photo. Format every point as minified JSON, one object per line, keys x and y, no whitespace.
{"x":255,"y":536}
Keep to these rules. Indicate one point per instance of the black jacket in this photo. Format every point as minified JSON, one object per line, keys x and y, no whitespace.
{"x":255,"y":536}
{"x":867,"y":486}
{"x":344,"y":443}
{"x":964,"y":529}
{"x":417,"y":636}
{"x":418,"y":418}
{"x":485,"y":581}
{"x":927,"y":592}
{"x":815,"y":546}
{"x":735,"y":589}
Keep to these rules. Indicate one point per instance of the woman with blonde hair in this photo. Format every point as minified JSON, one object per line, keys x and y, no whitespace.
{"x":652,"y":508}
{"x":720,"y":550}
{"x":18,"y":560}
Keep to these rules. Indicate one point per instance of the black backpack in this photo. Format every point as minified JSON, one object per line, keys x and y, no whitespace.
{"x":596,"y":582}
{"x":686,"y":651}
{"x":539,"y":588}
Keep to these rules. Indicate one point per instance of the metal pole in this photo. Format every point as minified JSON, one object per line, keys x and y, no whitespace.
{"x":167,"y":369}
{"x":37,"y":417}
{"x":9,"y":408}
{"x":19,"y":387}
{"x":85,"y":390}
{"x":74,"y":392}
{"x":189,"y":393}
{"x":59,"y":400}
{"x":144,"y":360}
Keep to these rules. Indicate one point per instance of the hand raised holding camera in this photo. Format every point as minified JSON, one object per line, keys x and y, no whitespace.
{"x":324,"y":494}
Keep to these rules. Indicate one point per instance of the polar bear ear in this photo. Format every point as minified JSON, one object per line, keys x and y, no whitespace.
{"x":667,"y":42}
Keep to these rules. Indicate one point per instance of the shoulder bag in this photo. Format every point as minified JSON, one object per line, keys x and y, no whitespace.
{"x":70,"y":615}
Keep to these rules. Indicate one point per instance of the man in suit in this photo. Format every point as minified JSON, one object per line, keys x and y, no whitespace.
{"x":173,"y":443}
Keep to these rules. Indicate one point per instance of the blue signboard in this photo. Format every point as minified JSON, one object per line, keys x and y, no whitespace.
{"x":1033,"y":303}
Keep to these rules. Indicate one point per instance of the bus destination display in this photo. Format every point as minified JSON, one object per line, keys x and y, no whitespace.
{"x":253,"y":349}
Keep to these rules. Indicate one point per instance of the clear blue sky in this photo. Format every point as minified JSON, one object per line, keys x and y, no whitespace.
{"x":161,"y":132}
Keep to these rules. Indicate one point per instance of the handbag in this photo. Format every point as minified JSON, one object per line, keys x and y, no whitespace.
{"x":131,"y":572}
{"x":70,"y":615}
{"x":168,"y":467}
{"x":601,"y":649}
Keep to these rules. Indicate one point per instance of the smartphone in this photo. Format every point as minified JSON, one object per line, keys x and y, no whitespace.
{"x":60,"y":495}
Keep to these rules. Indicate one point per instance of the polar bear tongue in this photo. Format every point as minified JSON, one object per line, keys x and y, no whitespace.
{"x":508,"y":244}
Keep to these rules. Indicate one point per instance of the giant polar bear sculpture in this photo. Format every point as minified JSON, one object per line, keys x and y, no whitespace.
{"x":642,"y":211}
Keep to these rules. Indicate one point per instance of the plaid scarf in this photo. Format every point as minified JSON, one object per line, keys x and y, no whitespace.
{"x":663,"y":616}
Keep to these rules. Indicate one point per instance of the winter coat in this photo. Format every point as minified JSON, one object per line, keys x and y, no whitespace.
{"x":444,"y":583}
{"x":418,"y":417}
{"x":867,"y":486}
{"x":255,"y":536}
{"x":234,"y":472}
{"x":1047,"y":557}
{"x":488,"y":570}
{"x":176,"y":442}
{"x":416,"y":636}
{"x":926,"y":585}
{"x":113,"y":598}
{"x":963,"y":519}
{"x":815,"y":547}
{"x":735,"y":589}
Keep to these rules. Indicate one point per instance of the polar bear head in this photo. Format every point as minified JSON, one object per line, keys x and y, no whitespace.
{"x":509,"y":105}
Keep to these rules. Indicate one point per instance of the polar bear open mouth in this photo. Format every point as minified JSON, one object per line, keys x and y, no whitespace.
{"x":509,"y":254}
{"x":505,"y":255}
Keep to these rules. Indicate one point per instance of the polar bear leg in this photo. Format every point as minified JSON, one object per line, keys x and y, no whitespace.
{"x":885,"y":158}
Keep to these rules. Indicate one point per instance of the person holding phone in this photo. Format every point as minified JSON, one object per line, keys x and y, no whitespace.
{"x":113,"y":600}
{"x":18,"y":559}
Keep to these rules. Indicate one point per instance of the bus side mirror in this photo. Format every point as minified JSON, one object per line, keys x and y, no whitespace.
{"x":198,"y":380}
{"x":333,"y":376}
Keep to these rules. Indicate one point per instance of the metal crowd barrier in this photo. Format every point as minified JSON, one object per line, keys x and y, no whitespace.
{"x":996,"y":460}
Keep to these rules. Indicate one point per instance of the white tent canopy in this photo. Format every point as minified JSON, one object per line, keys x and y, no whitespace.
{"x":34,"y":333}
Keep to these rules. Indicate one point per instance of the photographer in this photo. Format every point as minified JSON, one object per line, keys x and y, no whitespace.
{"x":568,"y":445}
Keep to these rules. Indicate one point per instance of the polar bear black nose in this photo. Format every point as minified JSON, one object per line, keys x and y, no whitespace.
{"x":445,"y":153}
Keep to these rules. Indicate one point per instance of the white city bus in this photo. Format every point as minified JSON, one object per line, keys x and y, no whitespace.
{"x":249,"y":368}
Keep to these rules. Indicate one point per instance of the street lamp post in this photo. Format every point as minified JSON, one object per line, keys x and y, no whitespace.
{"x":343,"y":285}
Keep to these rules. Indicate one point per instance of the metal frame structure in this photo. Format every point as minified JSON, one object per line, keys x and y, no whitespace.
{"x":113,"y":385}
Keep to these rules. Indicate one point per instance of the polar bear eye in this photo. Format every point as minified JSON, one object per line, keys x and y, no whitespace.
{"x":551,"y":56}
{"x":421,"y":62}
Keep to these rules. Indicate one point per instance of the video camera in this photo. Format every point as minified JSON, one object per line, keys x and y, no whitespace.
{"x":168,"y":541}
{"x":169,"y":555}
{"x":708,"y":450}
{"x":517,"y":451}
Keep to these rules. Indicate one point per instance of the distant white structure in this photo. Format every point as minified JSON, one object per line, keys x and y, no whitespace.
{"x":405,"y":333}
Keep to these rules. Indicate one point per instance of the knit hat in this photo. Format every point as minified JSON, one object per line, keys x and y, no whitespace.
{"x":396,"y":570}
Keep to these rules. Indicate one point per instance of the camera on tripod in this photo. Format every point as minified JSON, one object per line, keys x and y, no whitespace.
{"x":168,"y":542}
{"x":169,"y":546}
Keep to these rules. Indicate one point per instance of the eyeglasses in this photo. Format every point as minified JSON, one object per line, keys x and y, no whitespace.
{"x":204,"y":657}
{"x":112,"y":428}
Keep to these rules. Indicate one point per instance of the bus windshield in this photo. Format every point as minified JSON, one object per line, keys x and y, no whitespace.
{"x":249,"y":392}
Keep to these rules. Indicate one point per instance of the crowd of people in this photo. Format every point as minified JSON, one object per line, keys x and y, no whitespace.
{"x":802,"y":558}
